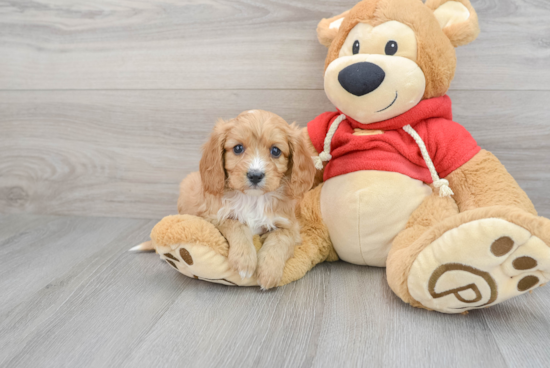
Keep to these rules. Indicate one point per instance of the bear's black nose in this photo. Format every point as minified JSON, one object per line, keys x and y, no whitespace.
{"x":361,"y":78}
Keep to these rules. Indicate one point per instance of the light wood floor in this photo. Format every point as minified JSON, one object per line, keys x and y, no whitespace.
{"x":72,"y":296}
{"x":104,"y":105}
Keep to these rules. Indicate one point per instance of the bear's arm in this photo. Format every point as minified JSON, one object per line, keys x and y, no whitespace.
{"x":483,"y":181}
{"x":476,"y":176}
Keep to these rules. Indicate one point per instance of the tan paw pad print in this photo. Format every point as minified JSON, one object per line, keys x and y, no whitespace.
{"x":478,"y":264}
{"x":202,"y":263}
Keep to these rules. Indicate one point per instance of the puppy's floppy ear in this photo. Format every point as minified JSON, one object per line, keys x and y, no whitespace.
{"x":457,"y":18}
{"x":303,"y":170}
{"x":327,"y":29}
{"x":211,"y":166}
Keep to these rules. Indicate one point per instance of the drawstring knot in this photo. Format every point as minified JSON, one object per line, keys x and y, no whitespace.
{"x":441,"y":184}
{"x":325,"y":156}
{"x":444,"y":188}
{"x":318,"y":160}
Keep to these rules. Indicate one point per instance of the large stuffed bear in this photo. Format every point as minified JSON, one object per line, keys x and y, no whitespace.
{"x":404,"y":186}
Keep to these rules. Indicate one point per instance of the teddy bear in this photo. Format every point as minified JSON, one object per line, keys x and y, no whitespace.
{"x":400,"y":184}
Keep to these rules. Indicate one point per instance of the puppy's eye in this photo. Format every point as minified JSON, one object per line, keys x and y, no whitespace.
{"x":356,"y":47}
{"x":238,"y":149}
{"x":391,"y":48}
{"x":275,"y":152}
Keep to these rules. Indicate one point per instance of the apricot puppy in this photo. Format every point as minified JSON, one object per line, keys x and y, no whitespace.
{"x":254,"y":170}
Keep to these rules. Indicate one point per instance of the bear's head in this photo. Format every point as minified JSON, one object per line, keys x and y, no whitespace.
{"x":385,"y":56}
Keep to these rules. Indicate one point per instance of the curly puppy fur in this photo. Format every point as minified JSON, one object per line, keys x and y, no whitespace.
{"x":225,"y":194}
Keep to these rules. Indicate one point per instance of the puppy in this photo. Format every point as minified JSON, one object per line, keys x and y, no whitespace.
{"x":253,"y":171}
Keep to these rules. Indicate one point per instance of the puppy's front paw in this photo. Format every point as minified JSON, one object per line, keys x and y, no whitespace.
{"x":243,"y":259}
{"x":270,"y":272}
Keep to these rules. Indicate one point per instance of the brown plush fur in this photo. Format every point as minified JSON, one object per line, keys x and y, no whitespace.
{"x":483,"y":188}
{"x":436,"y":54}
{"x":400,"y":259}
{"x":325,"y":34}
{"x":463,"y":33}
{"x":188,"y":229}
{"x":485,"y":182}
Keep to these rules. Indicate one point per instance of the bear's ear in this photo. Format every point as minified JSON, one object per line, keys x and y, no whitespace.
{"x":457,"y":18}
{"x":328,"y":28}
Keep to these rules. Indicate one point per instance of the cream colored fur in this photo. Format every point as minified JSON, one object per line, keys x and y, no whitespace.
{"x":364,"y":211}
{"x":392,"y":98}
{"x":253,"y":210}
{"x":457,"y":18}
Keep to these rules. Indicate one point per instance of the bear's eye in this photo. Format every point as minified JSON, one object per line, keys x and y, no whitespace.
{"x":391,"y":48}
{"x":356,"y":47}
{"x":238,"y":149}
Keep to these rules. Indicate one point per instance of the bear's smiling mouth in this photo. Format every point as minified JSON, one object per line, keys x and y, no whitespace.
{"x":395,"y":99}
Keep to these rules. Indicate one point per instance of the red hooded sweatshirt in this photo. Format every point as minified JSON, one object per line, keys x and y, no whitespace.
{"x":448,"y":143}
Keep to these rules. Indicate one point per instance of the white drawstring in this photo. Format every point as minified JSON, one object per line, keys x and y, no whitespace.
{"x":325,"y":155}
{"x":441,"y":184}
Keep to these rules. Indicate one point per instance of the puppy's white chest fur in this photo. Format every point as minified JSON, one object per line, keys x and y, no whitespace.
{"x":254,"y":211}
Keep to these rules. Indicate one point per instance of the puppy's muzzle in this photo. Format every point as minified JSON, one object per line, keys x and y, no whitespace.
{"x":361,"y":78}
{"x":255,"y":176}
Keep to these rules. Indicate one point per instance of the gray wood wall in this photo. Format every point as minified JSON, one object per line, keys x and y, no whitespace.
{"x":104,"y":105}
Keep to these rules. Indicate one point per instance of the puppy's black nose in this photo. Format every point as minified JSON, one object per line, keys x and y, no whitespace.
{"x":361,"y":78}
{"x":255,"y":176}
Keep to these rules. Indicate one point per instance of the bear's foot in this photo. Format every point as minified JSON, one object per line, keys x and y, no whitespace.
{"x":201,"y":262}
{"x":479,"y":264}
{"x":195,"y":248}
